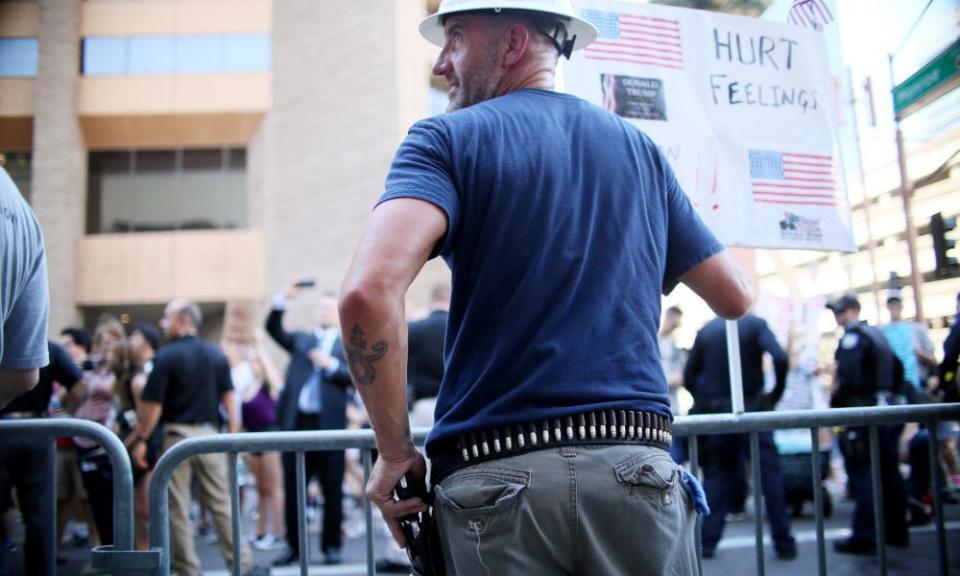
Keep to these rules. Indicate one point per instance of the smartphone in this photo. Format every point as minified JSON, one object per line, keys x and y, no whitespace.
{"x":308,"y":283}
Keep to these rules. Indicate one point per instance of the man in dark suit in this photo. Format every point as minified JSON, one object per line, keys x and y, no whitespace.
{"x":314,"y":398}
{"x":425,"y":348}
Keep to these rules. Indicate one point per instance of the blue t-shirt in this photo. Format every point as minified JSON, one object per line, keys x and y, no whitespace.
{"x":24,"y":295}
{"x":564,"y":225}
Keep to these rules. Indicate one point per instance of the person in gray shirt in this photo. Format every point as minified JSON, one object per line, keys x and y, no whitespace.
{"x":24,"y":294}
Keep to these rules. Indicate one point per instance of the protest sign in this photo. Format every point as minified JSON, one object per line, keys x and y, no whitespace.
{"x":741,"y":108}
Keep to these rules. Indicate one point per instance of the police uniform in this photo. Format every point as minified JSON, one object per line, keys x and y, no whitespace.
{"x":866,"y":369}
{"x":707,"y":376}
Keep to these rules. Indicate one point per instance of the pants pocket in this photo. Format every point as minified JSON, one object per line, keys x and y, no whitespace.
{"x":480,"y":514}
{"x":654,"y":477}
{"x":480,"y":496}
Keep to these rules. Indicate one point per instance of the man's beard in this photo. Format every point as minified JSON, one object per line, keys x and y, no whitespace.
{"x":477,"y":84}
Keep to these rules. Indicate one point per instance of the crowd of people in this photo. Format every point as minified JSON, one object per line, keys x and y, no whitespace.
{"x":155,"y":384}
{"x":551,"y":342}
{"x":894,"y":363}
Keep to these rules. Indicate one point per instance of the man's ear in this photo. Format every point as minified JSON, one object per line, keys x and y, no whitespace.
{"x":517,"y":39}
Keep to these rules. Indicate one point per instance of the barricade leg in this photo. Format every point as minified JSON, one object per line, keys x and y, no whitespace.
{"x":878,"y":518}
{"x":235,"y":511}
{"x":818,"y":500}
{"x":936,"y":475}
{"x":757,"y":498}
{"x":302,"y":512}
{"x":367,"y":457}
{"x":694,"y":455}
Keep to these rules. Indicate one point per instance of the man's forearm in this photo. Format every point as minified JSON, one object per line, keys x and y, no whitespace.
{"x":148,"y":416}
{"x":375,"y":342}
{"x":233,"y":424}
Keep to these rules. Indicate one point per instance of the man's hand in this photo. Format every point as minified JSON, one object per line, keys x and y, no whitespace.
{"x":319,"y":359}
{"x":384,"y":478}
{"x":138,"y":454}
{"x":294,"y":289}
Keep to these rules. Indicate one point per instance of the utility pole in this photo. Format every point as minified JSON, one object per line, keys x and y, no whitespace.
{"x":906,"y":194}
{"x":871,"y":242}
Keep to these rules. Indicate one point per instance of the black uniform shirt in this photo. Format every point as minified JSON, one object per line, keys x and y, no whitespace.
{"x":60,"y":369}
{"x":189,"y":377}
{"x":707,"y":373}
{"x":865,"y":366}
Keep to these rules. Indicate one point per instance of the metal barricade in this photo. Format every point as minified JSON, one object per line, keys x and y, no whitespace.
{"x":120,"y":558}
{"x":689,"y":427}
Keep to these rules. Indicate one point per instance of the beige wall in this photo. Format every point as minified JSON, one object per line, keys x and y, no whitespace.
{"x":175,"y":17}
{"x":169,"y":131}
{"x":16,"y":112}
{"x":59,"y":155}
{"x":153,"y":268}
{"x":174,"y":94}
{"x":19,"y":19}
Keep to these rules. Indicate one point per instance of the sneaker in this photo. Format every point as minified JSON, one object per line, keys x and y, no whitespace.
{"x":265,"y":542}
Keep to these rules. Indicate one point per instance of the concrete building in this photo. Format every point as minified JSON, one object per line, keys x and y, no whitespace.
{"x":208,"y":149}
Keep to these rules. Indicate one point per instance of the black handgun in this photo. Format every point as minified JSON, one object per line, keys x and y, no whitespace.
{"x":423,"y":546}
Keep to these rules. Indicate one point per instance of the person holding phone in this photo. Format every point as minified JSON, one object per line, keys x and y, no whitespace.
{"x":314,"y":397}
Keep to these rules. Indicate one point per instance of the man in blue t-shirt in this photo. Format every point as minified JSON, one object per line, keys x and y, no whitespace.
{"x":562,"y":226}
{"x":24,"y":295}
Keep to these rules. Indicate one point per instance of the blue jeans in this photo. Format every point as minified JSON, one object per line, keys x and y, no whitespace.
{"x":586,"y":509}
{"x":723,"y":458}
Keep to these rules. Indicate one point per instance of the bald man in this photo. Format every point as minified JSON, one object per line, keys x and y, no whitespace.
{"x":189,"y":382}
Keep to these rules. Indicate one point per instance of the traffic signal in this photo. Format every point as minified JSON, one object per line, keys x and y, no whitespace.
{"x":939,"y":226}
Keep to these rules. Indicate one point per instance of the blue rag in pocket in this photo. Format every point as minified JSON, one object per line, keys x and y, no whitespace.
{"x":696,"y":491}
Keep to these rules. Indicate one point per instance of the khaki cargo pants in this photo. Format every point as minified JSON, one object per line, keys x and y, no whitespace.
{"x":211,"y":473}
{"x":590,"y":509}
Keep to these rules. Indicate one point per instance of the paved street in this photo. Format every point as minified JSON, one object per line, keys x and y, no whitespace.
{"x":735,"y":555}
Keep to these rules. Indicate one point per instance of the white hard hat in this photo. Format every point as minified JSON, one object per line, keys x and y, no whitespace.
{"x":579,"y":32}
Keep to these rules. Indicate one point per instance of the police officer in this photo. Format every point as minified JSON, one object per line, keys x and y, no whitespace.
{"x":707,"y":376}
{"x":866,"y":369}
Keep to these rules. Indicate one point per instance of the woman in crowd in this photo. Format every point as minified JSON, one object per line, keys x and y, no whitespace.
{"x":112,"y":372}
{"x":256,"y":388}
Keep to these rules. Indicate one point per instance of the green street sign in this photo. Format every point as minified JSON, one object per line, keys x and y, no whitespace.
{"x":935,"y":79}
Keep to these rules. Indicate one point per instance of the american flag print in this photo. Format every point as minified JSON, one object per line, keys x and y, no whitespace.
{"x":792,"y":178}
{"x":635,"y":39}
{"x":809,"y":14}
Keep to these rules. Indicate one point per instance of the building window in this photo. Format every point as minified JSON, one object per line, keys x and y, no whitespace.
{"x":160,"y":190}
{"x":18,"y":57}
{"x":18,"y":166}
{"x":199,"y":54}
